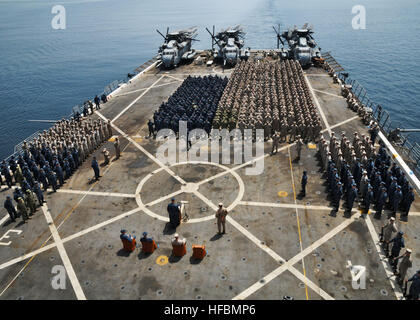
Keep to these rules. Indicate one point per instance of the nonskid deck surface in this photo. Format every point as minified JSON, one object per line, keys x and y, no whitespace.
{"x":275,"y":244}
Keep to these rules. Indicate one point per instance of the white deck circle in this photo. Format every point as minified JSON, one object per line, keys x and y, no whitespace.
{"x":189,"y":188}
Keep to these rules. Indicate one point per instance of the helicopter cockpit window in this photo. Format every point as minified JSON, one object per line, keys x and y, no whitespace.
{"x":302,"y":42}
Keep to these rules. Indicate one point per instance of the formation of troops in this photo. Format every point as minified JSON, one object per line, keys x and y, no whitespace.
{"x":49,"y":160}
{"x":272,"y":96}
{"x":195,"y":102}
{"x":355,"y":171}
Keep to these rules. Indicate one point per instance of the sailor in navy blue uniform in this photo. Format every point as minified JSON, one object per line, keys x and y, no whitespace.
{"x":304,"y":181}
{"x":351,"y":196}
{"x":38,"y":192}
{"x":174,"y":213}
{"x":8,"y":205}
{"x":414,"y":291}
{"x":407,"y":201}
{"x":6,"y":173}
{"x":95,"y":168}
{"x":397,"y":244}
{"x":396,"y":199}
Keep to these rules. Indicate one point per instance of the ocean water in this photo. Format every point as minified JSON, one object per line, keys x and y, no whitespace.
{"x":45,"y":72}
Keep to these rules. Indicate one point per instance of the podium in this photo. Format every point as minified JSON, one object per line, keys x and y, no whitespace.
{"x":199,"y":252}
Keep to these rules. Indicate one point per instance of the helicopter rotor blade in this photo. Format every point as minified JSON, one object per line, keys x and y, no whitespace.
{"x":161,"y":34}
{"x":213,"y":38}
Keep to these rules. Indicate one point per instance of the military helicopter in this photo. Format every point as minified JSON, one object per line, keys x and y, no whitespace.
{"x":177,"y":46}
{"x":230,"y":42}
{"x":301,"y":45}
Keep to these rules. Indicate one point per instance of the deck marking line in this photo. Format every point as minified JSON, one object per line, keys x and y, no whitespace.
{"x":286,"y":205}
{"x":341,"y":123}
{"x":272,"y":275}
{"x":316,"y":75}
{"x":324,"y":118}
{"x":167,"y":75}
{"x":297,"y":219}
{"x":330,"y":94}
{"x":63,"y":254}
{"x":3,"y":220}
{"x":142,"y":89}
{"x":96,"y":193}
{"x":147,"y":153}
{"x":135,"y":100}
{"x":264,"y":247}
{"x":221,"y":174}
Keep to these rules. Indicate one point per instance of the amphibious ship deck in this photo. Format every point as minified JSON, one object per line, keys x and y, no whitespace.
{"x":275,"y":245}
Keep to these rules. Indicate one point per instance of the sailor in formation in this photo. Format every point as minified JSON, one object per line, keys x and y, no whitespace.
{"x":195,"y":102}
{"x":379,"y":183}
{"x":273,"y":97}
{"x":53,"y":156}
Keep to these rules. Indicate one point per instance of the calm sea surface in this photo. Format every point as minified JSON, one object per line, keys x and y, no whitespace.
{"x":44,"y":72}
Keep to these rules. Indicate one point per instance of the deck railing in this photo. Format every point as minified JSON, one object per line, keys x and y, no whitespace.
{"x":17,"y":150}
{"x":405,"y":145}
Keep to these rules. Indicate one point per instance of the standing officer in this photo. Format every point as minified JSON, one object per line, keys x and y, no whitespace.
{"x":299,"y":144}
{"x":275,"y":146}
{"x":39,"y":194}
{"x":304,"y":181}
{"x":96,"y":100}
{"x":387,"y":231}
{"x":351,"y":196}
{"x":396,"y":199}
{"x":6,"y":173}
{"x":95,"y":168}
{"x":22,"y":209}
{"x":398,"y":243}
{"x":43,"y":179}
{"x":52,"y":179}
{"x":117,"y":148}
{"x":368,"y":199}
{"x":415,"y":287}
{"x":151,"y":128}
{"x":106,"y":156}
{"x":59,"y":172}
{"x":220,"y":215}
{"x":408,"y":200}
{"x":174,"y":212}
{"x":337,"y":193}
{"x":383,"y":195}
{"x":405,"y":264}
{"x":30,"y":201}
{"x":8,"y":205}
